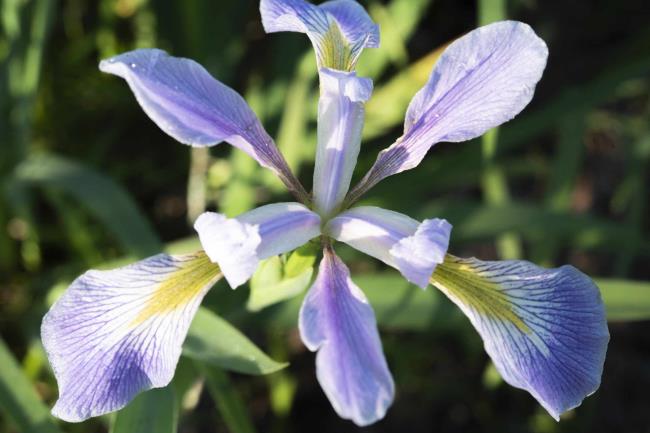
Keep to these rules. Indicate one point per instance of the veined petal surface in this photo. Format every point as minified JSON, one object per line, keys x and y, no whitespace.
{"x":187,"y":103}
{"x":238,"y":244}
{"x":116,"y":333}
{"x":340,"y":124}
{"x":337,"y":322}
{"x":482,"y":80}
{"x":545,"y":329}
{"x":338,"y":29}
{"x":411,"y":247}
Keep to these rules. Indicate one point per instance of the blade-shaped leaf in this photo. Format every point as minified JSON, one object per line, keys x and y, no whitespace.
{"x":154,"y":411}
{"x":18,"y":399}
{"x":230,"y":405}
{"x":214,"y":341}
{"x":107,"y":201}
{"x":625,"y":300}
{"x":276,"y":281}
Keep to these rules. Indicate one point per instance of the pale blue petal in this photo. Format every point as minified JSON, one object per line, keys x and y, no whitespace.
{"x":337,"y":322}
{"x":116,"y":333}
{"x":411,"y":247}
{"x":482,"y":80}
{"x":338,"y":29}
{"x":340,"y":124}
{"x":238,"y":244}
{"x":545,"y":329}
{"x":187,"y":103}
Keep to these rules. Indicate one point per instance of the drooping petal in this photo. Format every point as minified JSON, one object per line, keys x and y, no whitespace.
{"x":545,"y":329}
{"x":116,"y":333}
{"x":340,"y":124}
{"x":411,"y":247}
{"x":238,"y":244}
{"x":482,"y":80}
{"x":338,"y":29}
{"x":337,"y":322}
{"x":187,"y":103}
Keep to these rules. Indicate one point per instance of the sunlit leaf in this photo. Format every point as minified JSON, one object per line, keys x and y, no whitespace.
{"x":276,"y":281}
{"x":214,"y":341}
{"x":625,"y":300}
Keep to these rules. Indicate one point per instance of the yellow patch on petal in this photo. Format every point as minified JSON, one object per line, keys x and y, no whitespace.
{"x":334,"y":50}
{"x":195,"y":272}
{"x":459,"y":280}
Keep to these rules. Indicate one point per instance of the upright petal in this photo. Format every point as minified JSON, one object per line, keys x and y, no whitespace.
{"x":411,"y":247}
{"x":337,"y":321}
{"x":545,"y":329}
{"x":238,"y":244}
{"x":116,"y":333}
{"x":338,"y":29}
{"x":482,"y":80}
{"x":340,"y":124}
{"x":187,"y":103}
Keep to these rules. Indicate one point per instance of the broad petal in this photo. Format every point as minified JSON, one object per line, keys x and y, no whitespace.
{"x":411,"y":247}
{"x":338,"y":29}
{"x":187,"y":103}
{"x":482,"y":80}
{"x":545,"y":329}
{"x":116,"y":333}
{"x":238,"y":244}
{"x":337,"y":322}
{"x":340,"y":124}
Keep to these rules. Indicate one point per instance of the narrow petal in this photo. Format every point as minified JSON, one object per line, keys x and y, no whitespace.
{"x":482,"y":80}
{"x":340,"y":124}
{"x":337,"y":322}
{"x":238,"y":244}
{"x":187,"y":103}
{"x":411,"y":247}
{"x":338,"y":29}
{"x":116,"y":333}
{"x":545,"y":329}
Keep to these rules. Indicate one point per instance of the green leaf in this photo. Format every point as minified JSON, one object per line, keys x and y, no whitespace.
{"x":214,"y":341}
{"x":276,"y":281}
{"x":107,"y":201}
{"x":151,"y":412}
{"x":625,"y":300}
{"x":18,"y":399}
{"x":225,"y":396}
{"x":397,"y":304}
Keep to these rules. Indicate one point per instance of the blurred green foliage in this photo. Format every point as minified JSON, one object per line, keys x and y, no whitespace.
{"x":87,"y":180}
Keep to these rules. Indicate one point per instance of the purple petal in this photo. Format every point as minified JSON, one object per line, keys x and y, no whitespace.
{"x":340,"y":123}
{"x":238,"y":244}
{"x":482,"y":80}
{"x":114,"y":334}
{"x":337,"y":322}
{"x":338,"y":29}
{"x":545,"y":329}
{"x":186,"y":102}
{"x":411,"y":247}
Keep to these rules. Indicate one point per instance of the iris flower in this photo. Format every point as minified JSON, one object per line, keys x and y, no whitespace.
{"x":114,"y":334}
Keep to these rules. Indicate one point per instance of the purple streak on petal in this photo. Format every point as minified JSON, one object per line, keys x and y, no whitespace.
{"x":482,"y":80}
{"x":301,"y":16}
{"x":238,"y":244}
{"x":337,"y":322}
{"x":187,"y":103}
{"x":411,"y":247}
{"x":114,"y":334}
{"x":340,"y":123}
{"x":545,"y":329}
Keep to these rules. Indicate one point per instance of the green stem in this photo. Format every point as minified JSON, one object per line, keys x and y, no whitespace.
{"x":493,"y":181}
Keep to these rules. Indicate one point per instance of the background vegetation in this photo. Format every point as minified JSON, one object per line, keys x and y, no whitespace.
{"x":87,"y":180}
